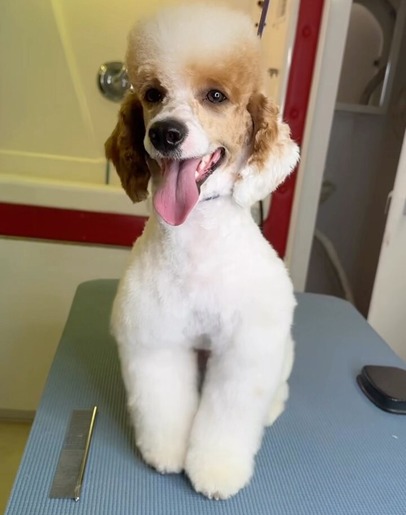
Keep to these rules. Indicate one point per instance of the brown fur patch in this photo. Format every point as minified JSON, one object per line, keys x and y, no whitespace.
{"x":237,"y":74}
{"x":264,"y":114}
{"x":126,"y":149}
{"x":145,"y":79}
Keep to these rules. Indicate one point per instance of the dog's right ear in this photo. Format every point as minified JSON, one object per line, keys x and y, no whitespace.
{"x":125,"y":148}
{"x":274,"y":155}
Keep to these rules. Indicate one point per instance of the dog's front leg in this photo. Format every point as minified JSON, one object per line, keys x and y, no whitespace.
{"x":162,"y":397}
{"x":239,"y":387}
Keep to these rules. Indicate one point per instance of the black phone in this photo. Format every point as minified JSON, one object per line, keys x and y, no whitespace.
{"x":384,"y":386}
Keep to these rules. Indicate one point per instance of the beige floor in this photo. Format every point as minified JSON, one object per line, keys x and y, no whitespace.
{"x":13,"y":437}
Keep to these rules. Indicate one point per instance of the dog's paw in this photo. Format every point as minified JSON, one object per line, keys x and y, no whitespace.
{"x":218,"y":475}
{"x":166,"y":460}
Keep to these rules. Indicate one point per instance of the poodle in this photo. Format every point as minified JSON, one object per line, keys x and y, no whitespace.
{"x":198,"y":131}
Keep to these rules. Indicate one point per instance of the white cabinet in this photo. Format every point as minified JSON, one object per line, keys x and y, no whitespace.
{"x":387,"y":313}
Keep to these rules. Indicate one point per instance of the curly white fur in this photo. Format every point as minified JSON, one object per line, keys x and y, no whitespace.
{"x":211,"y":283}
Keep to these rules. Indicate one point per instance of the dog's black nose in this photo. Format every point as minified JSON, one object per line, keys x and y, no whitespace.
{"x":167,"y":135}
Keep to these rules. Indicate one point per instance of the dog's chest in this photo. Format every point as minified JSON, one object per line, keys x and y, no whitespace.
{"x":208,"y":326}
{"x":201,"y":281}
{"x":206,"y":278}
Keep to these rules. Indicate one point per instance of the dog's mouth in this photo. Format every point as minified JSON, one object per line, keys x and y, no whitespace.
{"x":181,"y":182}
{"x":208,"y":164}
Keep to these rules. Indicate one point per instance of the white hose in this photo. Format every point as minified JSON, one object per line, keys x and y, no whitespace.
{"x":331,"y":253}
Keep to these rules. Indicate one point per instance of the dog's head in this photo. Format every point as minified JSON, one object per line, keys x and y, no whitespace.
{"x":197,"y":121}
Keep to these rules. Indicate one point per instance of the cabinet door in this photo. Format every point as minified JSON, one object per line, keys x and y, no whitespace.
{"x":387,"y":313}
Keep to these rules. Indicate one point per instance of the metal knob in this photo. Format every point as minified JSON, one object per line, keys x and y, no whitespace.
{"x":113,"y":80}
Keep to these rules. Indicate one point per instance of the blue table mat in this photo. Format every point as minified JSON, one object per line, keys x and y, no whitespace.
{"x":331,"y":452}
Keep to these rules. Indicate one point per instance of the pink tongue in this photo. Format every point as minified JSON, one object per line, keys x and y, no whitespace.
{"x":178,"y":193}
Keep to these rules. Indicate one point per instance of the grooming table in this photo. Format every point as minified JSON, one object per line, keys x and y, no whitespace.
{"x":331,"y":452}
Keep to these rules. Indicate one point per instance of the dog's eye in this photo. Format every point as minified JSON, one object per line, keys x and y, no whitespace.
{"x":153,"y":95}
{"x":215,"y":96}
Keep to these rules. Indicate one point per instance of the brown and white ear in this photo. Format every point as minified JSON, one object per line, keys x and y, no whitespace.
{"x":125,"y":148}
{"x":273,"y":154}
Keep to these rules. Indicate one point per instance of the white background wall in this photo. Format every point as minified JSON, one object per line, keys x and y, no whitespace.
{"x":53,"y":119}
{"x":388,"y":304}
{"x":38,"y":281}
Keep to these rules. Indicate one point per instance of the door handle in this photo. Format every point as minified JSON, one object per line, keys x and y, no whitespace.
{"x":113,"y":80}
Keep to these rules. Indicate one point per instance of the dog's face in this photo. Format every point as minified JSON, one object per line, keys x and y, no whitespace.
{"x":196,"y":120}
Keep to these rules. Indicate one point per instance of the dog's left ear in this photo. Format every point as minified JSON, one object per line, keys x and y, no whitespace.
{"x":273,"y":153}
{"x":125,"y":147}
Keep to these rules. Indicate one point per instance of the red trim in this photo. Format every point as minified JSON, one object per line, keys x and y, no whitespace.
{"x":276,"y":225}
{"x":50,"y":223}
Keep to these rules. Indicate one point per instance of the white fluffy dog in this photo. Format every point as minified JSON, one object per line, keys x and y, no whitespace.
{"x":202,"y":276}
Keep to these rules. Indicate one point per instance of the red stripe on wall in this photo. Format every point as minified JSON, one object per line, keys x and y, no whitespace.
{"x":276,"y":225}
{"x":69,"y":225}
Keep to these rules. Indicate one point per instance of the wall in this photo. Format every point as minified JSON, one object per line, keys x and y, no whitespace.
{"x":377,"y":208}
{"x":38,"y":281}
{"x":352,"y":166}
{"x":54,"y":121}
{"x":387,"y":312}
{"x":277,"y":45}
